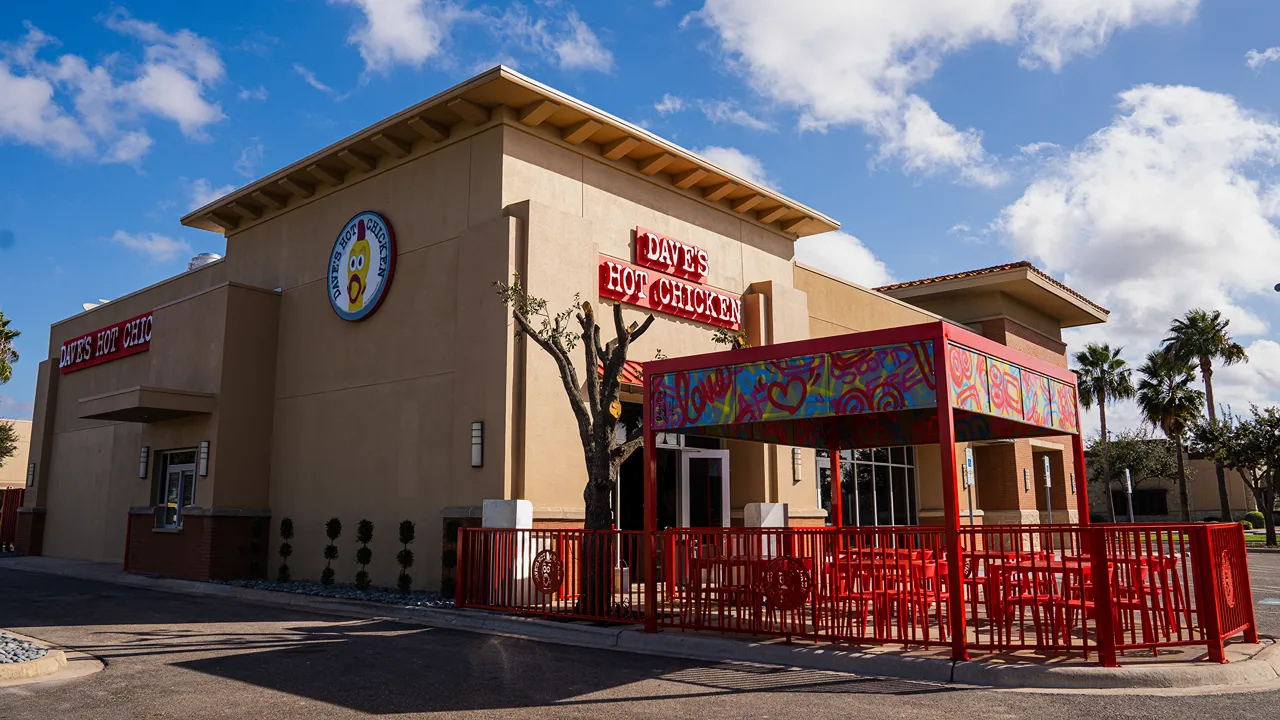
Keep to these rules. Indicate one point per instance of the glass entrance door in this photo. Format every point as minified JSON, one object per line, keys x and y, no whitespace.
{"x":704,"y":488}
{"x":177,"y":487}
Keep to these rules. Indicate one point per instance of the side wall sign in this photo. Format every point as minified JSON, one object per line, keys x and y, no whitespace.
{"x":361,"y":266}
{"x":113,"y":342}
{"x":667,"y":277}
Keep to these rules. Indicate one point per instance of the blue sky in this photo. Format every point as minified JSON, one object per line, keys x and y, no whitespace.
{"x":1128,"y":147}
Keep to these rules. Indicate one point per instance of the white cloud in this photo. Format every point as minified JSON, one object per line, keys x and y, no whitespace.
{"x":72,"y":108}
{"x":1256,"y":60}
{"x":250,"y":159}
{"x":247,"y":94}
{"x":567,"y":38}
{"x":201,"y":192}
{"x":401,"y":32}
{"x":1170,"y":207}
{"x":844,"y":256}
{"x":13,"y":409}
{"x":310,"y":78}
{"x":158,"y":248}
{"x":737,"y":162}
{"x":719,"y":111}
{"x":669,"y":104}
{"x":857,"y":63}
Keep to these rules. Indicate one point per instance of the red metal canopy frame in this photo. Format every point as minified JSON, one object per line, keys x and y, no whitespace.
{"x":912,"y":385}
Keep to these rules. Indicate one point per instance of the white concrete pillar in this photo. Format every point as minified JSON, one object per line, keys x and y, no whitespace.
{"x":767,"y":515}
{"x":507,"y":514}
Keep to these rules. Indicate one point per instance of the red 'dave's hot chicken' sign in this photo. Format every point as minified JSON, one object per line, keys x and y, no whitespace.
{"x":667,"y":278}
{"x":110,"y":343}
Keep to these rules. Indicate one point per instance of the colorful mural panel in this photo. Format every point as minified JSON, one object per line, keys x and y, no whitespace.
{"x":968,"y":379}
{"x":897,"y":377}
{"x":782,"y":389}
{"x":1035,"y":399}
{"x":1065,"y":416}
{"x":1004,"y":383}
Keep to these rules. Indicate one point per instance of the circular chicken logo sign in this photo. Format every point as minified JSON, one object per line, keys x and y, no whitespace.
{"x":360,"y":268}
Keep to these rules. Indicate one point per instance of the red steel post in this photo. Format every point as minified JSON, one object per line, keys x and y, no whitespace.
{"x":1082,"y":479}
{"x":837,"y":495}
{"x":650,"y":513}
{"x":1202,"y":554}
{"x":1104,"y":615}
{"x":460,"y":584}
{"x":950,"y":498}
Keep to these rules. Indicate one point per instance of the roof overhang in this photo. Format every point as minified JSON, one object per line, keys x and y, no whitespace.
{"x":1022,"y":282}
{"x":501,"y":95}
{"x":146,"y":405}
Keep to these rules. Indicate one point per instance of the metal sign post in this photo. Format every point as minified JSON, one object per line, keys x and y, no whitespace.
{"x":968,"y":479}
{"x":1128,"y":491}
{"x":1048,"y":483}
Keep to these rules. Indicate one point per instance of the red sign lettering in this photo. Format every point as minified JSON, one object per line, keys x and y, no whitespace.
{"x":670,"y":256}
{"x":110,"y":343}
{"x":634,"y":285}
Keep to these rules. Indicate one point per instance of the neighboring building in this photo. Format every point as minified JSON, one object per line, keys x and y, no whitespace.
{"x":13,"y":471}
{"x":189,"y":417}
{"x":1158,"y":499}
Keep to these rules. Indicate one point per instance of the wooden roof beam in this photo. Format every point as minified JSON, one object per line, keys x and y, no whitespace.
{"x":619,"y":148}
{"x":768,"y":216}
{"x":297,"y":187}
{"x":537,"y":113}
{"x":576,"y":134}
{"x":795,"y":225}
{"x":428,"y":129}
{"x":653,"y":165}
{"x":747,"y":203}
{"x":358,"y":160}
{"x":245,"y":210}
{"x":271,"y":200}
{"x":468,"y":111}
{"x":719,"y":191}
{"x":223,"y":221}
{"x":690,"y":178}
{"x":329,"y":177}
{"x":392,"y":146}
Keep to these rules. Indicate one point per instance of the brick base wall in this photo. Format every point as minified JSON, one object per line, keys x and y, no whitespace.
{"x":30,"y":537}
{"x":208,"y":547}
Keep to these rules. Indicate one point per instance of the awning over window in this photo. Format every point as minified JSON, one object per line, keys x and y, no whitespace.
{"x":146,"y":404}
{"x":632,"y":372}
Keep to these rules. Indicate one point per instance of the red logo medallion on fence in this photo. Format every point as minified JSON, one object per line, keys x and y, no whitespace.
{"x":1227,"y":580}
{"x":547,"y":571}
{"x":786,"y":583}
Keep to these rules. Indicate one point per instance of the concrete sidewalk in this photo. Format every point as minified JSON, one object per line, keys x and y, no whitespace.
{"x":1252,"y":667}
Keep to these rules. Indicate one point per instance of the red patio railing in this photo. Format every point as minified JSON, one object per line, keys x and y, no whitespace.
{"x":1103,"y":589}
{"x":10,"y":501}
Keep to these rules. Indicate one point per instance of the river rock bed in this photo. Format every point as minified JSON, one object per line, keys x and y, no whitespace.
{"x":13,"y":650}
{"x":418,"y":598}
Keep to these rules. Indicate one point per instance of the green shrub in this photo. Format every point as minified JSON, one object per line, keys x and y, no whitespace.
{"x":332,"y":530}
{"x":286,"y":534}
{"x":364,"y":534}
{"x":405,"y":557}
{"x":1246,"y":524}
{"x":1255,"y":518}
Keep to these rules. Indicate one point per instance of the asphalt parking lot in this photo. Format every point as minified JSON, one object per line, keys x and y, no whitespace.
{"x":171,"y":655}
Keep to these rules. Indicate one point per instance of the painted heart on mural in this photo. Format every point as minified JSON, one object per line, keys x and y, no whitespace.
{"x":789,"y":395}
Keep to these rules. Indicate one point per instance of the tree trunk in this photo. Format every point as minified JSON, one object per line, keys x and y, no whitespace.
{"x":1269,"y":508}
{"x":1224,"y":501}
{"x":595,"y":565}
{"x":1106,"y":457}
{"x":1182,"y":481}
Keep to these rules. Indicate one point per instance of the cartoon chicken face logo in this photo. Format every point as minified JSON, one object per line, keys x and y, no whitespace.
{"x":357,"y":270}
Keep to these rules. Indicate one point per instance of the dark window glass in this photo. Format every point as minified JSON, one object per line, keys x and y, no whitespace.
{"x":897,"y":456}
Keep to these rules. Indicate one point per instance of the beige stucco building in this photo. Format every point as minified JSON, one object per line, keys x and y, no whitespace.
{"x":13,"y":471}
{"x":225,"y":399}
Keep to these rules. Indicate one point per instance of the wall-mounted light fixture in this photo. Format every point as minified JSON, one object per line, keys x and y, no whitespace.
{"x":203,"y":468}
{"x":144,"y":459}
{"x":1026,"y":479}
{"x":31,"y":474}
{"x":1073,"y":483}
{"x":796,"y":465}
{"x":477,"y":443}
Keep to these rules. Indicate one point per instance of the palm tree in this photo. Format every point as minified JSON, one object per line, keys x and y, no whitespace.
{"x":1168,"y":402}
{"x":1201,"y":337}
{"x":1101,"y":374}
{"x":8,"y":356}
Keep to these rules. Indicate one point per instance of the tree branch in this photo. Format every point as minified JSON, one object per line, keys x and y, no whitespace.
{"x":556,"y":350}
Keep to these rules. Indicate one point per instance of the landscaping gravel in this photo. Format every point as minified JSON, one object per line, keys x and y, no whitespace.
{"x":13,"y":650}
{"x":346,"y":592}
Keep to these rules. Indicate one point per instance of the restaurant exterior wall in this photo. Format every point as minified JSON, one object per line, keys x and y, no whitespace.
{"x":13,"y":473}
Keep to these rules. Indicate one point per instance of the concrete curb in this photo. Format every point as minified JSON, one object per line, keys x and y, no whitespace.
{"x":1262,"y":669}
{"x":52,"y":662}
